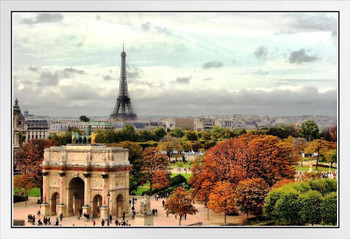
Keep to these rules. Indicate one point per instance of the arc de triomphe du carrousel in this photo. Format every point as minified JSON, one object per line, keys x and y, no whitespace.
{"x":91,"y":178}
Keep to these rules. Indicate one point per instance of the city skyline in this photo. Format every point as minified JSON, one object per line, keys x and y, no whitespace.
{"x":179,"y":64}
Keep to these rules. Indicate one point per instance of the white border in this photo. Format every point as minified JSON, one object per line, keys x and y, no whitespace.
{"x":5,"y":123}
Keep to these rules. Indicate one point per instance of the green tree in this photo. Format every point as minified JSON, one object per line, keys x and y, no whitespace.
{"x":310,"y":211}
{"x":318,"y":146}
{"x":145,"y":135}
{"x":170,"y":144}
{"x":135,"y":156}
{"x":178,"y":133}
{"x":309,"y":130}
{"x":191,"y":135}
{"x":159,"y":133}
{"x":328,"y":208}
{"x":331,"y":156}
{"x":128,"y":133}
{"x":84,"y":118}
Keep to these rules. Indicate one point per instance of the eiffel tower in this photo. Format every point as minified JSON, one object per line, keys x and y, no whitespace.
{"x":123,"y":109}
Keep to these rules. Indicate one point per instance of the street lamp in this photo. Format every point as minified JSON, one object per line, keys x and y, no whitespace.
{"x":108,"y":195}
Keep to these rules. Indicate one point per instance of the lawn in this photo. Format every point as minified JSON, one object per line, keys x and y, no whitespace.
{"x":34,"y":192}
{"x":186,"y":175}
{"x":182,"y":164}
{"x":320,"y":169}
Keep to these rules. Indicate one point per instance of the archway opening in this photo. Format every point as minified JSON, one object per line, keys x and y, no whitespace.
{"x":54,"y":200}
{"x":96,"y":205}
{"x":120,"y":205}
{"x":76,"y":196}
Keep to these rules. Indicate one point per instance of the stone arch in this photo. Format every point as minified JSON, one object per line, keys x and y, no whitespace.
{"x":96,"y":205}
{"x":120,"y":205}
{"x":54,"y":200}
{"x":76,"y":189}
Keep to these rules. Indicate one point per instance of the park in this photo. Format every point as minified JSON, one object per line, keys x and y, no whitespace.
{"x":242,"y":180}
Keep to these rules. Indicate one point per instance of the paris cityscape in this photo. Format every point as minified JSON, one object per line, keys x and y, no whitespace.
{"x":138,"y":119}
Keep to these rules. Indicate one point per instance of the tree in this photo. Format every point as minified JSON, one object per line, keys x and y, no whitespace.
{"x":202,"y":184}
{"x":128,"y":133}
{"x":135,"y":156}
{"x":29,"y":159}
{"x":318,"y":146}
{"x":328,"y":208}
{"x":299,"y":144}
{"x":270,"y":159}
{"x":186,"y":146}
{"x":160,"y":179}
{"x":310,"y":211}
{"x":222,"y":199}
{"x":309,"y":130}
{"x":178,"y":133}
{"x":152,"y":162}
{"x":331,"y":156}
{"x":301,"y":203}
{"x":170,"y":144}
{"x":191,"y":135}
{"x":24,"y":183}
{"x":180,"y":202}
{"x":159,"y":133}
{"x":145,"y":135}
{"x":250,"y":195}
{"x":282,"y":182}
{"x":84,"y":118}
{"x":330,"y":134}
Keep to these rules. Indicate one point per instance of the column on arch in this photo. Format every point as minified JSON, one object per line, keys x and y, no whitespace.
{"x":62,"y":183}
{"x":104,"y":189}
{"x":87,"y":189}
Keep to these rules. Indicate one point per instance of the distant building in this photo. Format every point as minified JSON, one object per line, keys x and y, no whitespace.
{"x":36,"y":129}
{"x":184,"y":123}
{"x":58,"y":128}
{"x":203,"y":124}
{"x":225,"y":123}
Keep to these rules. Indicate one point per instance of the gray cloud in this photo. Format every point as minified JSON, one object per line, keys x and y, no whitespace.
{"x":146,"y":26}
{"x":212,"y":64}
{"x":44,"y":18}
{"x":79,"y":99}
{"x":133,"y":72}
{"x":108,"y":77}
{"x":302,"y":81}
{"x":183,"y":80}
{"x":300,"y":56}
{"x":261,"y":72}
{"x":261,"y":53}
{"x":312,"y":22}
{"x":47,"y":77}
{"x":162,"y":30}
{"x":307,"y":101}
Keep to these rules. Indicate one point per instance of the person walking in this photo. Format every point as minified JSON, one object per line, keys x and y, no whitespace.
{"x":116,"y":222}
{"x":103,"y":222}
{"x":93,"y":222}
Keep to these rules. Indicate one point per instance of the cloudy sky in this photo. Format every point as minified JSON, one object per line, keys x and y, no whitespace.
{"x":68,"y":64}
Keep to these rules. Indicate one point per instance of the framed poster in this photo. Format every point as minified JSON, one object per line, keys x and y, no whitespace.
{"x":232,"y":116}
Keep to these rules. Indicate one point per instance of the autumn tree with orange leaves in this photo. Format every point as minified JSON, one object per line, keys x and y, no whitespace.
{"x":222,"y":199}
{"x":250,"y":195}
{"x":236,"y":159}
{"x":180,"y":202}
{"x":160,"y":179}
{"x":152,"y":164}
{"x":29,"y":159}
